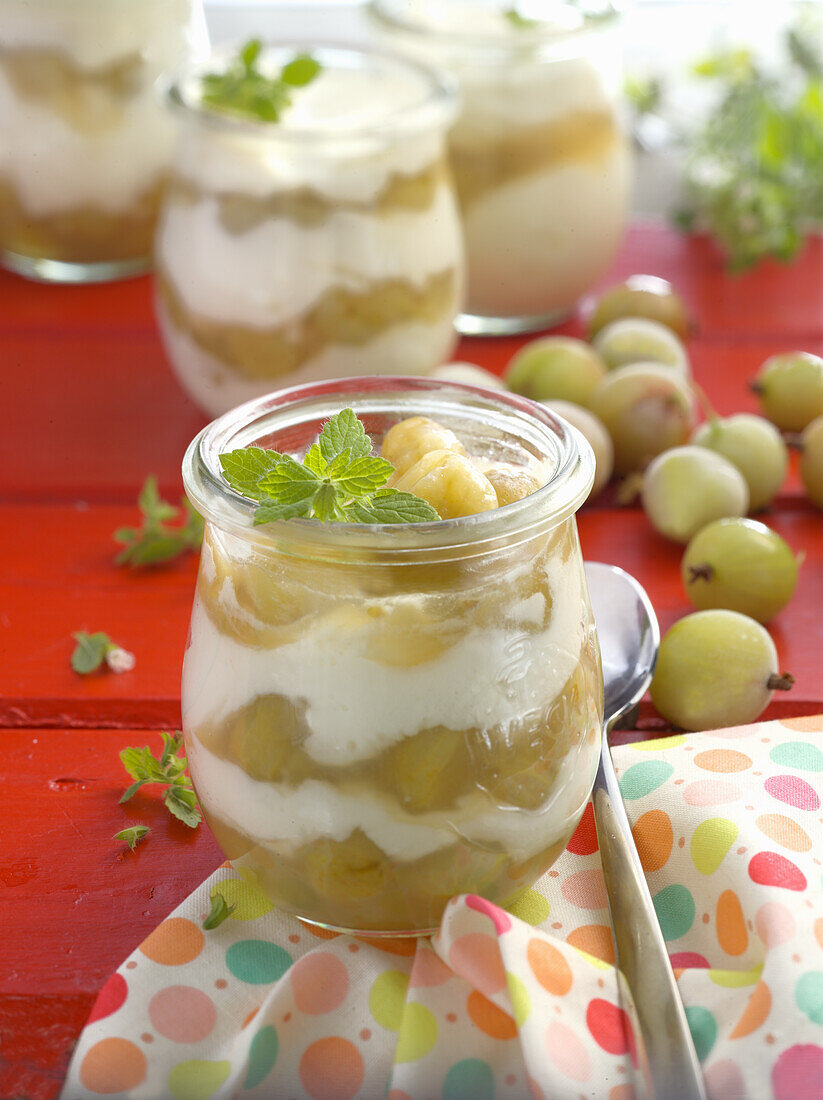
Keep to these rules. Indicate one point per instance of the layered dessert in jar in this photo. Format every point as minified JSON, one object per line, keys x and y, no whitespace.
{"x":315,"y":240}
{"x":380,"y":717}
{"x":540,"y":158}
{"x":85,"y":143}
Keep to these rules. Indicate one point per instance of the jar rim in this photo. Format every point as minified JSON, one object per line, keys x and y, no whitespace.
{"x":436,"y":109}
{"x":543,"y":33}
{"x":567,"y":487}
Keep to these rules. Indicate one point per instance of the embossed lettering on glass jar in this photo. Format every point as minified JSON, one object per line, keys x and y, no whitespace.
{"x":379,"y":718}
{"x":324,"y":244}
{"x":541,"y":163}
{"x":85,"y":143}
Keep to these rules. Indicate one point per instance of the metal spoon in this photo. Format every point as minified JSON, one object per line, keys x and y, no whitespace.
{"x":629,"y":636}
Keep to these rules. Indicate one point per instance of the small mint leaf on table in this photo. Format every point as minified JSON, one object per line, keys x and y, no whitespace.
{"x":182,"y":803}
{"x":169,"y":772}
{"x":133,"y":835}
{"x":156,"y":542}
{"x":90,"y":652}
{"x":219,"y":912}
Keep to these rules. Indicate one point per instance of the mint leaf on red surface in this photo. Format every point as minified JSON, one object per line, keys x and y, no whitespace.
{"x":168,"y":771}
{"x":90,"y":651}
{"x":133,"y":835}
{"x":156,"y":542}
{"x":339,"y":480}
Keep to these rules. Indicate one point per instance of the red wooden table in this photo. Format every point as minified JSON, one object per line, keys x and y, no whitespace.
{"x":89,"y":409}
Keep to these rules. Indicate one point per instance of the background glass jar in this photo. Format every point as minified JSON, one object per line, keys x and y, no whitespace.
{"x":322,"y":245}
{"x":540,"y":160}
{"x":85,"y":144}
{"x":379,"y":718}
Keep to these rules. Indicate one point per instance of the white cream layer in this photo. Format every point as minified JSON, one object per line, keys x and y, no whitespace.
{"x":356,"y":706}
{"x":53,"y":167}
{"x":289,"y":817}
{"x":535,"y":244}
{"x":278,"y":270}
{"x":95,"y":33}
{"x":411,"y":348}
{"x":126,"y":145}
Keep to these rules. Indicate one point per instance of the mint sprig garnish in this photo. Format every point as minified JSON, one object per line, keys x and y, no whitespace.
{"x":339,"y":480}
{"x":244,"y":90}
{"x":520,"y":21}
{"x":169,"y":772}
{"x":155,"y":542}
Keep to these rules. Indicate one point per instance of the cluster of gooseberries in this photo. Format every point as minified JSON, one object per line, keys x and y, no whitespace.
{"x":629,"y":390}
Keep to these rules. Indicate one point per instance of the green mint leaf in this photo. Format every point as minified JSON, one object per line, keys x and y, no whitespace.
{"x":90,"y":651}
{"x":131,"y":791}
{"x":290,"y":482}
{"x":250,"y":53}
{"x":326,"y":504}
{"x":520,"y":21}
{"x":155,"y":542}
{"x":363,"y":476}
{"x":344,"y":432}
{"x":220,"y":911}
{"x":242,"y":89}
{"x":301,"y":71}
{"x":170,"y":747}
{"x":339,"y":481}
{"x":390,"y":506}
{"x":271,"y":512}
{"x":182,"y":803}
{"x":244,"y":468}
{"x":133,"y":835}
{"x":315,"y":461}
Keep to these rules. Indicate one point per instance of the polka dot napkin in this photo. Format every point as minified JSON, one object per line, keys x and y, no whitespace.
{"x":509,"y":1005}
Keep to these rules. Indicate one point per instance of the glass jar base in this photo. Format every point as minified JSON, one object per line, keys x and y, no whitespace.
{"x":58,"y":271}
{"x":479,"y":324}
{"x":368,"y":934}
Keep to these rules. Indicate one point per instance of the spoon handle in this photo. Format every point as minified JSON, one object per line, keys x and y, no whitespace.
{"x":642,"y":957}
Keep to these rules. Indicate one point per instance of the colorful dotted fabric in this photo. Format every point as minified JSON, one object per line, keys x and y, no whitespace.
{"x":509,"y":1005}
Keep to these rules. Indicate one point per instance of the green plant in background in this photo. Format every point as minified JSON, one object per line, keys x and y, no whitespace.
{"x":754,"y":167}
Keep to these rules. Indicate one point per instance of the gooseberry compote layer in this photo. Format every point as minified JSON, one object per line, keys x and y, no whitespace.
{"x":369,"y":740}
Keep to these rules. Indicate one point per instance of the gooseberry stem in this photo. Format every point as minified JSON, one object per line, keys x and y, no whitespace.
{"x":794,"y":440}
{"x":703,"y":572}
{"x":780,"y":681}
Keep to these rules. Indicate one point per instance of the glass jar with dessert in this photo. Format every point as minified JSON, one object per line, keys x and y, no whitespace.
{"x":85,"y":142}
{"x":392,"y":690}
{"x":540,"y":158}
{"x":311,"y":228}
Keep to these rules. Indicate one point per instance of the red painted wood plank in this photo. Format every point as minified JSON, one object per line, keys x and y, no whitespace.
{"x":38,"y":1034}
{"x":148,"y":611}
{"x":74,"y":901}
{"x":96,"y":407}
{"x":46,"y":594}
{"x":774,"y":300}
